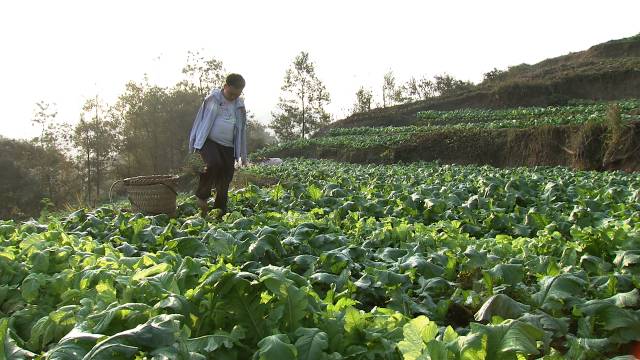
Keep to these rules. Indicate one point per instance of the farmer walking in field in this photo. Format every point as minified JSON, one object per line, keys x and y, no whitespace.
{"x":219,"y":136}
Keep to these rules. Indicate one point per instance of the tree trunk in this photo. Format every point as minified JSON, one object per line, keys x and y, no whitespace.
{"x":304,"y":120}
{"x":88,"y":197}
{"x":50,"y":185}
{"x":98,"y":176}
{"x":384,"y":99}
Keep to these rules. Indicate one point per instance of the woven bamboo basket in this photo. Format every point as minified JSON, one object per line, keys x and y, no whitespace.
{"x":154,"y":194}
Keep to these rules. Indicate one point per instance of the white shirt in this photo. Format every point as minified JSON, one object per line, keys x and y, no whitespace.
{"x":224,"y":123}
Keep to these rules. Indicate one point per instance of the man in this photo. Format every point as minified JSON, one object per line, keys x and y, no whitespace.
{"x":219,"y":135}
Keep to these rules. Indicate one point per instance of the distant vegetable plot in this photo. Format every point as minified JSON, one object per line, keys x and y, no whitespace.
{"x":339,"y":261}
{"x":462,"y":120}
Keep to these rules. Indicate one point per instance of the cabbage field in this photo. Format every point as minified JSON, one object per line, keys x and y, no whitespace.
{"x":462,"y":120}
{"x":339,"y":261}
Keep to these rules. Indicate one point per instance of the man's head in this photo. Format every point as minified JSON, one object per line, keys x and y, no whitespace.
{"x":233,"y":86}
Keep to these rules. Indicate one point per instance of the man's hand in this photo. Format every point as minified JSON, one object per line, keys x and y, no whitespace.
{"x":241,"y":163}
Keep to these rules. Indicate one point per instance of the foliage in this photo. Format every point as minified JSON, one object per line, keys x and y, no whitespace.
{"x":301,"y":107}
{"x":447,"y":85}
{"x":20,"y":188}
{"x":203,"y":74}
{"x":419,"y":89}
{"x":528,"y":116}
{"x":391,"y":93}
{"x":339,"y":261}
{"x":363,"y":100}
{"x":463,"y":120}
{"x":49,"y":155}
{"x":257,"y":135}
{"x":494,"y":75}
{"x":96,"y":144}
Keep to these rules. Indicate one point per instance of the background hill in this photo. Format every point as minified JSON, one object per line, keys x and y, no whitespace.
{"x":606,"y":71}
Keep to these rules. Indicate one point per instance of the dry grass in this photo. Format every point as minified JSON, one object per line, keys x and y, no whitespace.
{"x":620,"y":141}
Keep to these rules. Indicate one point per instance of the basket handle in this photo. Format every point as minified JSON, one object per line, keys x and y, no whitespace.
{"x":111,"y":188}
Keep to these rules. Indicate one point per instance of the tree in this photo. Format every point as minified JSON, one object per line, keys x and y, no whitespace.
{"x":97,"y":139}
{"x":363,"y":100}
{"x":20,"y":186}
{"x":155,"y":124}
{"x":301,"y":105}
{"x":47,"y":157}
{"x":257,"y":135}
{"x":181,"y":107}
{"x":83,"y":142}
{"x":45,"y":166}
{"x":446,"y":85}
{"x":43,"y":117}
{"x":494,"y":75}
{"x":145,"y":132}
{"x":128,"y":108}
{"x":419,"y":89}
{"x":391,"y":94}
{"x":203,"y":73}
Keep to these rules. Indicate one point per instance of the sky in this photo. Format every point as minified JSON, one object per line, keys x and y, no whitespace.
{"x":63,"y":52}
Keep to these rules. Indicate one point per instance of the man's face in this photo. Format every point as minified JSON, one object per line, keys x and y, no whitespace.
{"x":231,"y":92}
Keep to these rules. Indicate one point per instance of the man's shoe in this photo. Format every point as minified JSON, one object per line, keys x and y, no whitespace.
{"x":202,"y":205}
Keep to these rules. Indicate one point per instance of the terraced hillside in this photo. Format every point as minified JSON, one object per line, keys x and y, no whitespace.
{"x":608,"y":71}
{"x":594,"y":135}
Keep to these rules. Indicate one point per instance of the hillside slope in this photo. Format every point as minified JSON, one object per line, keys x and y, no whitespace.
{"x":581,"y":147}
{"x":605,"y":71}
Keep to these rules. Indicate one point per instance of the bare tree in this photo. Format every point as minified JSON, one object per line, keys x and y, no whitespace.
{"x":391,"y":94}
{"x":203,"y":73}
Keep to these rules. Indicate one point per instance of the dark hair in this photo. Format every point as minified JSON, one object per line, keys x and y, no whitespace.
{"x":235,"y":80}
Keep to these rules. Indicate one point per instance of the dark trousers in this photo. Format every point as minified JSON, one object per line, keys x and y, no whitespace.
{"x":220,"y":166}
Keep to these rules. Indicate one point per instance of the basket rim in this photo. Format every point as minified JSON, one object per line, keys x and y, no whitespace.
{"x":150,"y":180}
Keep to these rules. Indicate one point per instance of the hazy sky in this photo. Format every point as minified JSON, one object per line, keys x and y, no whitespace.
{"x":66,"y":51}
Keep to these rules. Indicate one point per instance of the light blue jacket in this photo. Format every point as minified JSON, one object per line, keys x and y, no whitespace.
{"x":204,"y":122}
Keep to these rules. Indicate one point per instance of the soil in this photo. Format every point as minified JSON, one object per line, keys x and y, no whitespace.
{"x":582,"y":147}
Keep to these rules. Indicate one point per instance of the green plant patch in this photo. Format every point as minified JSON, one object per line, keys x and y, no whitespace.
{"x":339,"y":261}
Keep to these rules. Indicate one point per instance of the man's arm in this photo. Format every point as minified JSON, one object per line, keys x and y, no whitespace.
{"x":197,"y":122}
{"x":243,"y":137}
